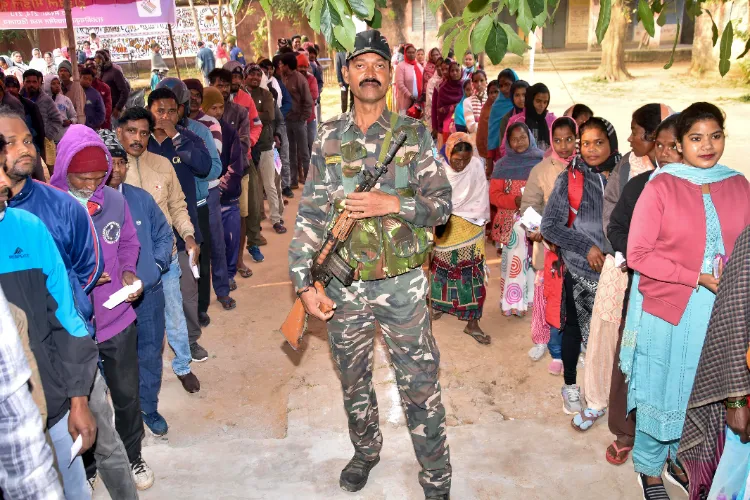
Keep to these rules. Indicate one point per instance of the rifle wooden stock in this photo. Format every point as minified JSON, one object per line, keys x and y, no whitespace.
{"x":293,"y":327}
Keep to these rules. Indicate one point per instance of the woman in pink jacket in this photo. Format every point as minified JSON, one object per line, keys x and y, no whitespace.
{"x":684,"y":226}
{"x":409,"y":82}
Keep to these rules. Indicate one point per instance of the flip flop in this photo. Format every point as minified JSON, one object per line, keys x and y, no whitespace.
{"x":482,"y":338}
{"x":245,"y":272}
{"x":612,"y":457}
{"x":585,"y":419}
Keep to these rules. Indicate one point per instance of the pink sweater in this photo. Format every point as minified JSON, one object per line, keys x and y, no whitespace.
{"x":668,"y":237}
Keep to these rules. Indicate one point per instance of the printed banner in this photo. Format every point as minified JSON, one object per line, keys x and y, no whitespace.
{"x":126,"y":42}
{"x":45,"y":14}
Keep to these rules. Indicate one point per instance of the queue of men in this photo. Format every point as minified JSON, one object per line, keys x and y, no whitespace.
{"x":161,"y":201}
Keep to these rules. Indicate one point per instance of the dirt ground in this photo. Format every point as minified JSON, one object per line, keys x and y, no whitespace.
{"x":268,"y":422}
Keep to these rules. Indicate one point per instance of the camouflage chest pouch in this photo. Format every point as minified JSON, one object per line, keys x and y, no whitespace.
{"x":382,"y":247}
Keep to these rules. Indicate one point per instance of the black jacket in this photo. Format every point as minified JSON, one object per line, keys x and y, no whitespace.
{"x":619,"y":222}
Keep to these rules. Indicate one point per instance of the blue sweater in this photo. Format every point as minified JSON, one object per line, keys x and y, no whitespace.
{"x":190,"y":159}
{"x":201,"y":183}
{"x":286,"y":98}
{"x":154,"y":234}
{"x":34,"y":278}
{"x":73,"y":232}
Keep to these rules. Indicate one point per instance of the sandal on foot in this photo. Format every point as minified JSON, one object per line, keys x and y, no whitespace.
{"x":679,"y":480}
{"x":652,"y":491}
{"x":245,"y":272}
{"x":228,"y":303}
{"x":232,"y":285}
{"x":436,"y":315}
{"x":279,"y":228}
{"x":617,"y":455}
{"x":480,"y":337}
{"x":585,"y":419}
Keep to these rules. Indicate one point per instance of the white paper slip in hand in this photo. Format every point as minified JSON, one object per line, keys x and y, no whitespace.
{"x":531,"y":219}
{"x":619,"y":259}
{"x":75,"y":449}
{"x":121,"y":295}
{"x":193,"y":267}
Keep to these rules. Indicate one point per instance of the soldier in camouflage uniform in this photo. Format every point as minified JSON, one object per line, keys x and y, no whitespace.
{"x":387,"y":249}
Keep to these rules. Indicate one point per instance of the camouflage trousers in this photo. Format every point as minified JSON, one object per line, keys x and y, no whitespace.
{"x":399,"y":306}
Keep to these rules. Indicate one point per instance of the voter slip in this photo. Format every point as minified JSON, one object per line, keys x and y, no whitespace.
{"x":121,"y":295}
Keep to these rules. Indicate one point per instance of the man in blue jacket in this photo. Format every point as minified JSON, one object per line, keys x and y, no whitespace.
{"x":155,"y":236}
{"x":190,"y":159}
{"x":65,"y":218}
{"x":34,"y":278}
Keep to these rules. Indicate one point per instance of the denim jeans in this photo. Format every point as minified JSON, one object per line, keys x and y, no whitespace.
{"x":230,"y":215}
{"x":555,"y":343}
{"x":111,"y":458}
{"x":174,"y":316}
{"x":73,"y":477}
{"x":150,"y":322}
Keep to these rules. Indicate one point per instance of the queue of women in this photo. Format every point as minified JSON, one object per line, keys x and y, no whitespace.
{"x":637,"y":264}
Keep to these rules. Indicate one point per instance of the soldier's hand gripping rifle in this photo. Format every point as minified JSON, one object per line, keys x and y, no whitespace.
{"x":327,"y":264}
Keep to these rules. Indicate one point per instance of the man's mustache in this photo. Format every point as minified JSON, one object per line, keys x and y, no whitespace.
{"x":370,"y":80}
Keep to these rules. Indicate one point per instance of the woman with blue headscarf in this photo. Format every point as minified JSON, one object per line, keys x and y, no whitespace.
{"x":500,"y":108}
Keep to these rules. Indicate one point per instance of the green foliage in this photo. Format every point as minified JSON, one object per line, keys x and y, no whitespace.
{"x":10,"y":35}
{"x":725,"y":48}
{"x":478,"y":26}
{"x":605,"y":13}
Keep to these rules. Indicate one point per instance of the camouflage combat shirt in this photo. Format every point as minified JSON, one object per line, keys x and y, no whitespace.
{"x":340,"y":153}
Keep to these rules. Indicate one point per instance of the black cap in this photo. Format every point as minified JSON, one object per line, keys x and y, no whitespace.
{"x":370,"y":41}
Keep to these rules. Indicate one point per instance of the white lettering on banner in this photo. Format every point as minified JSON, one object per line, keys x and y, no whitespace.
{"x":136,"y":39}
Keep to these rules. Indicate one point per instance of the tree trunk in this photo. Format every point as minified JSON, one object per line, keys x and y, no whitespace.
{"x":704,"y":59}
{"x":270,"y":37}
{"x":220,"y":20}
{"x":194,"y":13}
{"x":33,"y":36}
{"x":612,"y":66}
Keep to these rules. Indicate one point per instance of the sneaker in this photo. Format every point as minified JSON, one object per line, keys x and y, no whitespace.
{"x":279,"y":228}
{"x":673,"y":478}
{"x":155,"y":423}
{"x":204,"y":319}
{"x":652,"y":492}
{"x":256,"y":254}
{"x":198,"y":353}
{"x":287,"y":192}
{"x":142,"y":474}
{"x":571,"y":395}
{"x":91,"y":482}
{"x":355,"y":474}
{"x":190,"y":382}
{"x":537,"y":352}
{"x":555,"y":367}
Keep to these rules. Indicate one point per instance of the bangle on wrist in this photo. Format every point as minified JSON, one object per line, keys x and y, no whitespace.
{"x":740,"y":403}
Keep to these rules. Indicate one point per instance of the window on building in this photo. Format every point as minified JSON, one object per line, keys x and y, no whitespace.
{"x":416,"y":16}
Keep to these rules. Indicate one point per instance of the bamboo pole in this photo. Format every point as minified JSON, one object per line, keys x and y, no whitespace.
{"x":71,"y":39}
{"x":174,"y":52}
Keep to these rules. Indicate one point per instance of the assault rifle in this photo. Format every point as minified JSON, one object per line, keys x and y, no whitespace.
{"x":327,"y":263}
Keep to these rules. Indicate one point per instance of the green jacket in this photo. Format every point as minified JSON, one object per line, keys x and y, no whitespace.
{"x":379,"y":247}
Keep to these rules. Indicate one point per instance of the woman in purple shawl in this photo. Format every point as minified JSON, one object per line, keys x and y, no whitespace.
{"x":447,"y":96}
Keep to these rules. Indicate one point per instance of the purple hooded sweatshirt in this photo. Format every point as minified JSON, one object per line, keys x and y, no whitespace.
{"x":114,"y":226}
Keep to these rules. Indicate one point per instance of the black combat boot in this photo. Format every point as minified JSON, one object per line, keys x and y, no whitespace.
{"x":355,"y":474}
